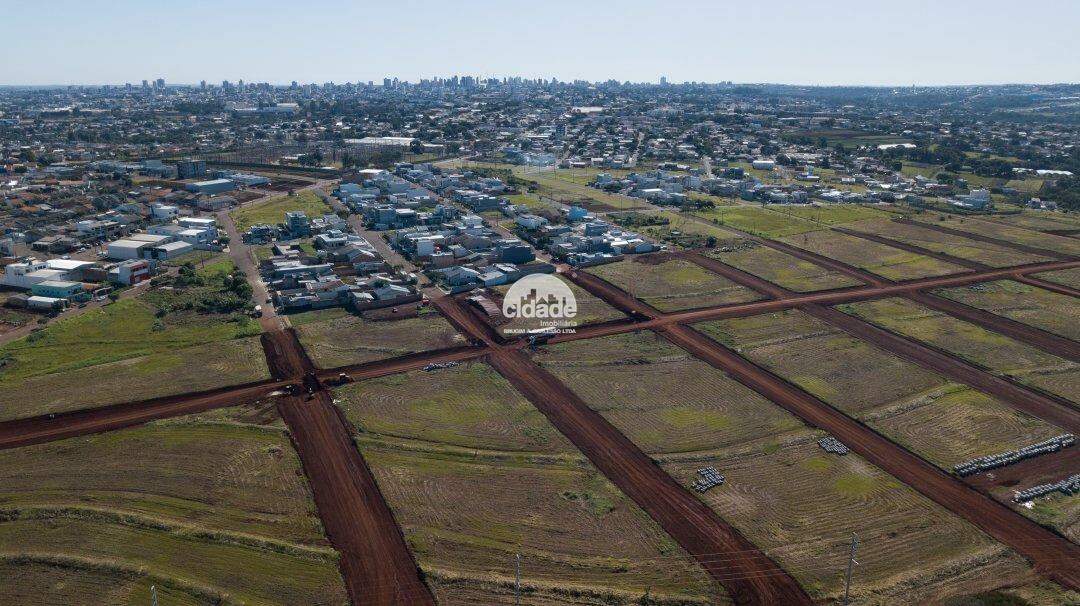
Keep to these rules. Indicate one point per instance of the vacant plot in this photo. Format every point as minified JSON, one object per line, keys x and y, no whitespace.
{"x":781,"y":268}
{"x":801,"y":505}
{"x":758,"y":221}
{"x":1068,"y":277}
{"x":1058,"y":511}
{"x":832,"y":214}
{"x":273,"y":211}
{"x":211,"y":505}
{"x":1039,"y":220}
{"x":991,"y":350}
{"x":1019,"y":235}
{"x":886,"y":261}
{"x":660,"y":397}
{"x":1028,"y":304}
{"x":943,"y":422}
{"x":475,"y":475}
{"x":468,"y":406}
{"x":143,"y":355}
{"x":40,"y":580}
{"x":334,"y":338}
{"x":590,"y":309}
{"x":982,"y":252}
{"x":672,"y":284}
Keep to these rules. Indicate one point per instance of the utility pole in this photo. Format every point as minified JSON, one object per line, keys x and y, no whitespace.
{"x":851,"y":562}
{"x":517,"y":580}
{"x":153,"y":595}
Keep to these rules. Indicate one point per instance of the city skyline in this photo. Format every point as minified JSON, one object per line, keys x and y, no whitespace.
{"x":920,"y":43}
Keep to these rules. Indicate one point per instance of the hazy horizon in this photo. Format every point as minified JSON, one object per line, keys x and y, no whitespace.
{"x":785,"y":42}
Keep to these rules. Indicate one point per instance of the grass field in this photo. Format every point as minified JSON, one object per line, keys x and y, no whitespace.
{"x":672,"y":284}
{"x":832,"y":214}
{"x":149,"y":356}
{"x":273,"y":211}
{"x":40,"y":580}
{"x":335,"y":338}
{"x":1020,"y":235}
{"x":944,"y":422}
{"x":983,"y":252}
{"x":208,"y":505}
{"x":886,"y":261}
{"x":1038,"y":220}
{"x":468,"y":407}
{"x":475,"y":475}
{"x":783,"y":269}
{"x":801,"y":505}
{"x":661,"y":398}
{"x":1028,"y":304}
{"x":758,"y":221}
{"x":1068,"y":277}
{"x":991,"y":350}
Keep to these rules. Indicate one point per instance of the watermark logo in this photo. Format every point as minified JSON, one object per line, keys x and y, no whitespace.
{"x":544,"y":300}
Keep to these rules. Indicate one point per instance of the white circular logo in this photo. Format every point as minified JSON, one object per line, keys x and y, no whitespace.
{"x":540,"y":297}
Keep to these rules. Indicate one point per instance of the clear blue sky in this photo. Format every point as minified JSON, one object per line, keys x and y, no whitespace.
{"x":788,"y":41}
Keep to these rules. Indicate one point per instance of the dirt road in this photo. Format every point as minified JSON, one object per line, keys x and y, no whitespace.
{"x":1050,"y":553}
{"x":912,"y":248}
{"x":35,"y":430}
{"x":285,"y":355}
{"x":1060,"y":289}
{"x":748,"y":575}
{"x":375,"y":563}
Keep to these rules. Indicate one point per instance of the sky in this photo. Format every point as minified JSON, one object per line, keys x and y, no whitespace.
{"x":820,"y":42}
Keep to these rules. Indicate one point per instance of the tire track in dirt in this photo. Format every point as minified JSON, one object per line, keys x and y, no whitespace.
{"x":1047,"y":407}
{"x":1034,"y":250}
{"x":1051,"y":554}
{"x":747,"y":574}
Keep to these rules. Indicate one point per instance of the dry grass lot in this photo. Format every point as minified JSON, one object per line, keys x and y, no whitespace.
{"x":973,"y":250}
{"x":1037,"y":220}
{"x":783,"y":269}
{"x":990,"y":350}
{"x":1068,"y":277}
{"x":673,"y":284}
{"x":1008,"y":232}
{"x":801,"y":506}
{"x":660,"y":397}
{"x":475,"y":474}
{"x":336,"y":338}
{"x":468,"y":406}
{"x":1028,"y":304}
{"x":212,"y":505}
{"x":886,"y":261}
{"x":943,"y":422}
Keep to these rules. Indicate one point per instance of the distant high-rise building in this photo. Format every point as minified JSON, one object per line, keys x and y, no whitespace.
{"x":202,"y":84}
{"x":146,"y":84}
{"x":159,"y":83}
{"x":663,"y":80}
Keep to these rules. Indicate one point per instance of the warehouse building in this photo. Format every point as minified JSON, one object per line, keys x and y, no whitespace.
{"x":214,"y":186}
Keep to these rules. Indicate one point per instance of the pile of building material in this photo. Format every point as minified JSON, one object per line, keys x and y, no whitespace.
{"x":1012,"y":456}
{"x":710,"y":477}
{"x":831,"y":444}
{"x":438,"y":365}
{"x":1069,"y":486}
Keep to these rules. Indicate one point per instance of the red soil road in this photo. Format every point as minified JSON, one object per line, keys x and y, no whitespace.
{"x":611,"y":294}
{"x":375,"y":562}
{"x":467,"y":323}
{"x":36,"y":430}
{"x":1047,"y":407}
{"x":285,"y":356}
{"x":415,"y":361}
{"x":1030,"y":472}
{"x":747,"y":574}
{"x":1060,"y":289}
{"x":829,"y":297}
{"x":912,"y":248}
{"x":1044,"y":340}
{"x":1042,"y":252}
{"x":1050,"y":553}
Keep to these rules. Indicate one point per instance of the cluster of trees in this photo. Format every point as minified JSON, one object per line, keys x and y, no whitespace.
{"x":213,"y":293}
